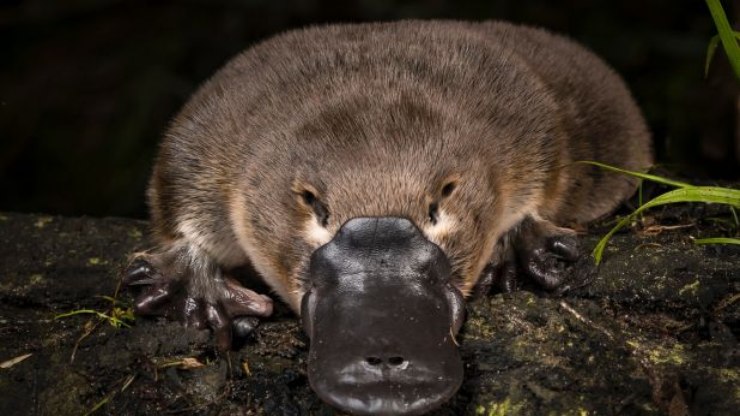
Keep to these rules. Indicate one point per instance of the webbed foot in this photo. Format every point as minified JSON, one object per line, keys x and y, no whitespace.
{"x":538,"y":251}
{"x":544,"y":252}
{"x":165,"y":287}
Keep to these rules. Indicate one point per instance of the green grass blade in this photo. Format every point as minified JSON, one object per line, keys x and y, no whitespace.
{"x":641,"y":175}
{"x":112,"y":300}
{"x":711,"y":49}
{"x":78,"y":312}
{"x":601,"y":245}
{"x":726,"y":34}
{"x":707,"y":194}
{"x":111,"y":319}
{"x":717,"y":240}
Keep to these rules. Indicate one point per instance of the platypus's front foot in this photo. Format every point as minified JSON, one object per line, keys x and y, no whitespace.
{"x":195,"y":293}
{"x":535,"y":249}
{"x":544,"y":252}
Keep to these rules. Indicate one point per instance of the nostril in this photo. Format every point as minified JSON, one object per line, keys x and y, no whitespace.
{"x":373,"y":361}
{"x":396,"y":361}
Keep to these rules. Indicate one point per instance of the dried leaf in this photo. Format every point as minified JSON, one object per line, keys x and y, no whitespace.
{"x":190,"y":363}
{"x":14,"y":361}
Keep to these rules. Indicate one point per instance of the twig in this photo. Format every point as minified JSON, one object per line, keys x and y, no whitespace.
{"x":585,"y":320}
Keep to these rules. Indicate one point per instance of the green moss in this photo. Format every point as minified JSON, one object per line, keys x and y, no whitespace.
{"x":96,"y":261}
{"x":498,"y":408}
{"x":477,"y":327}
{"x":36,"y":279}
{"x":530,"y":300}
{"x":729,"y":376}
{"x":633,"y":344}
{"x":660,"y":355}
{"x":675,"y":355}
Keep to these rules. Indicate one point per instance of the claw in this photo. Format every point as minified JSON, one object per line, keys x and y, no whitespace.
{"x":155,"y":298}
{"x":503,"y":277}
{"x":221,"y":326}
{"x":541,"y":266}
{"x":507,"y":280}
{"x":486,"y":280}
{"x":140,"y":272}
{"x":192,"y":312}
{"x":543,"y":251}
{"x":564,"y":246}
{"x":241,"y":301}
{"x":243,"y":326}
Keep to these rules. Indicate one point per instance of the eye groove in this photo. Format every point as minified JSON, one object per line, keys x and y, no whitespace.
{"x":447,"y":189}
{"x":433,"y":212}
{"x":321,"y":211}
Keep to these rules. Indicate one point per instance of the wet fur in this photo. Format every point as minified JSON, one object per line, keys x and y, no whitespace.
{"x":375,"y":119}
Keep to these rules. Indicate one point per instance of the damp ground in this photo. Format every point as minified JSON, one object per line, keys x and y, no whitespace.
{"x":655,"y":332}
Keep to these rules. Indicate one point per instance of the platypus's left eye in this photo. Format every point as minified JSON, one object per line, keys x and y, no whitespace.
{"x":318,"y":207}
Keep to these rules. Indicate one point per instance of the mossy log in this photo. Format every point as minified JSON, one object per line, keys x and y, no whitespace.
{"x":655,"y":332}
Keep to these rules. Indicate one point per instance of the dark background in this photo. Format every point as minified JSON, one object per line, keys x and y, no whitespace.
{"x":88,"y":86}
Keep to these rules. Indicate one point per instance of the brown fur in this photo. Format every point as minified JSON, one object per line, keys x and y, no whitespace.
{"x":375,"y":119}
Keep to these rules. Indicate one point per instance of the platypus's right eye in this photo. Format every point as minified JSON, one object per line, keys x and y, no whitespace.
{"x":448,"y":188}
{"x":318,"y":207}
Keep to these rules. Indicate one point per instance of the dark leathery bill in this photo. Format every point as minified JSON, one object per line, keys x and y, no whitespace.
{"x":382,"y":315}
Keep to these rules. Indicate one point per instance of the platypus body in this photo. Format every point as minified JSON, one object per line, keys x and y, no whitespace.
{"x":372,"y":175}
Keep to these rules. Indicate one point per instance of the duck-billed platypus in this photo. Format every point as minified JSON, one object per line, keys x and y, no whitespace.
{"x":372,"y":174}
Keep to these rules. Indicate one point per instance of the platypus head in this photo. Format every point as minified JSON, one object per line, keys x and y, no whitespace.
{"x":374,"y":228}
{"x":382,"y":315}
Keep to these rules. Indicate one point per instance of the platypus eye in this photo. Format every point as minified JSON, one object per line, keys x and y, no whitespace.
{"x":308,"y":197}
{"x":434,"y":206}
{"x":448,"y":188}
{"x":321,"y":211}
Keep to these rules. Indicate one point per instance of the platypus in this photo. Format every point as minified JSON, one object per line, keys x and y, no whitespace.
{"x":372,"y":175}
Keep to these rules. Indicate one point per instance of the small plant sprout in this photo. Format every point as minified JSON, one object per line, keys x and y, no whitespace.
{"x":116,"y":319}
{"x":118,"y":315}
{"x":685,"y":193}
{"x":728,"y":37}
